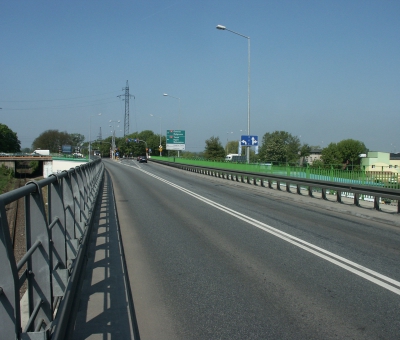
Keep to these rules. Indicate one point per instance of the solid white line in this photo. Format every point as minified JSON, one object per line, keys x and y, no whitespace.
{"x":342,"y":262}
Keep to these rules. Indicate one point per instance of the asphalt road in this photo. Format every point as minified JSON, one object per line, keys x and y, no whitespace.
{"x":213,"y":259}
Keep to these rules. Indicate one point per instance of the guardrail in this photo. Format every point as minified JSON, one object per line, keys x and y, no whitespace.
{"x":337,"y":188}
{"x":387,"y":179}
{"x":56,"y":231}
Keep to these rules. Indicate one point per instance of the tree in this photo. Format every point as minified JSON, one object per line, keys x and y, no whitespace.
{"x":77,"y":139}
{"x":191,"y":155}
{"x":280,"y":146}
{"x":317,"y":164}
{"x":343,"y":153}
{"x":9,"y":141}
{"x":331,"y":155}
{"x":232,"y":147}
{"x":104,"y":147}
{"x":305,"y":150}
{"x":52,"y":140}
{"x":350,"y":151}
{"x":214,"y":149}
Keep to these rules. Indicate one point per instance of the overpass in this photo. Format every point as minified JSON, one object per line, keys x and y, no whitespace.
{"x":47,"y":164}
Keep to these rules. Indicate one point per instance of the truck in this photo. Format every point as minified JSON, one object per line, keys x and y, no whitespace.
{"x":41,"y":152}
{"x":234,"y":157}
{"x":229,"y":156}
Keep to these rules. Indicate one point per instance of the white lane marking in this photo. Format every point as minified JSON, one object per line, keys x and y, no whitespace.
{"x":342,"y":262}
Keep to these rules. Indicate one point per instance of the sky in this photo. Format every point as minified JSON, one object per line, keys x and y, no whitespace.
{"x":323,"y":70}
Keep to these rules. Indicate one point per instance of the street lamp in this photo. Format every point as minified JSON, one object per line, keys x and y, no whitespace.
{"x":179,"y":116}
{"x":90,"y":134}
{"x":223,"y":28}
{"x":113,"y":138}
{"x":159,"y":148}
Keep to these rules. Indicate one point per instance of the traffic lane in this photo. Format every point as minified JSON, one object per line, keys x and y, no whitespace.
{"x":242,"y":282}
{"x":356,"y":237}
{"x":152,"y":315}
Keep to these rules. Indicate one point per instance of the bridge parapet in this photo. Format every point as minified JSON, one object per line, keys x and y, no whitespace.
{"x":58,"y":214}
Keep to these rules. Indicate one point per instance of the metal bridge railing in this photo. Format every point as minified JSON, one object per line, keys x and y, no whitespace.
{"x":58,"y":214}
{"x":265,"y":179}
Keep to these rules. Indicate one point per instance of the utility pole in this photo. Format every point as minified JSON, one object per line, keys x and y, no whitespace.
{"x":99,"y":137}
{"x":126,"y":98}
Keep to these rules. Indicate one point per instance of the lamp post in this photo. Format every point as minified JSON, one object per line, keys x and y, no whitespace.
{"x":179,"y":116}
{"x":227,"y":140}
{"x":113,"y":138}
{"x":223,"y":28}
{"x":90,"y":134}
{"x":160,"y":131}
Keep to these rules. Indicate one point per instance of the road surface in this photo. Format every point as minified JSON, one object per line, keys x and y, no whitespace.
{"x":213,"y":259}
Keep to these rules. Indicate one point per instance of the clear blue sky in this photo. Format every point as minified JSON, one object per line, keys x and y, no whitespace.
{"x":322,"y":70}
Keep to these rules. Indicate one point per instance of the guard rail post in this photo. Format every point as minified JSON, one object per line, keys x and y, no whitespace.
{"x":339,"y":196}
{"x":376,"y":202}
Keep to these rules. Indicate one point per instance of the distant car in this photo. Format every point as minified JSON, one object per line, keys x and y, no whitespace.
{"x":142,"y":159}
{"x":77,"y":155}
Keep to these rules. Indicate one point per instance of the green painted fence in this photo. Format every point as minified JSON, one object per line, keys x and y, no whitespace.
{"x":384,"y":179}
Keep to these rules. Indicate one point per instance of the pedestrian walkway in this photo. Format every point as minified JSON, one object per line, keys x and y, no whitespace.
{"x":105,"y":308}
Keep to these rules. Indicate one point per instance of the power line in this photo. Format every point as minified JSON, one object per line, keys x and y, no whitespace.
{"x":127,"y":96}
{"x":65,"y":106}
{"x":52,"y":100}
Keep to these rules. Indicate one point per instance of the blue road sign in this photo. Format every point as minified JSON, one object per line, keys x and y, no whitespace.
{"x":249,"y":140}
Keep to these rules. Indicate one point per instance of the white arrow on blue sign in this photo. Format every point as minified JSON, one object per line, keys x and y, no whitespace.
{"x":249,"y":140}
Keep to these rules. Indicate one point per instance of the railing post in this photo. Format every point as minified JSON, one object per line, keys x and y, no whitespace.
{"x":40,"y":263}
{"x":79,"y":194}
{"x":70,"y":217}
{"x":10,"y":313}
{"x":58,"y":237}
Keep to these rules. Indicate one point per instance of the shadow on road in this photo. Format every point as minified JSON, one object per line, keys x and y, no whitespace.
{"x":105,"y":308}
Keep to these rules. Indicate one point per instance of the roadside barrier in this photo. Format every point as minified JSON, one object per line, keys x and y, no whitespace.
{"x":357,"y":191}
{"x":58,"y":217}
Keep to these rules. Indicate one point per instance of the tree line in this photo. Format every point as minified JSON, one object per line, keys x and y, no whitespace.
{"x":279,"y":147}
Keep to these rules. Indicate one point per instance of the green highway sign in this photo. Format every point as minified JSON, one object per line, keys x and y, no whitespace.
{"x":175,"y":139}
